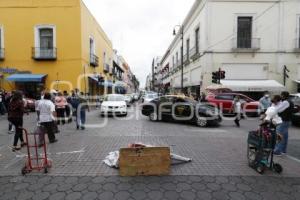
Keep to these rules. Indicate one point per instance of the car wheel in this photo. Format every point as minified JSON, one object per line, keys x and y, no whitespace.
{"x":201,"y":122}
{"x":153,"y":117}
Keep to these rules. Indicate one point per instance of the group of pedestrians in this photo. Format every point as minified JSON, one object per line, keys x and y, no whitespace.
{"x":52,"y":109}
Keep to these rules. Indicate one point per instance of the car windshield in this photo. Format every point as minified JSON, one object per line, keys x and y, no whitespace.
{"x":189,"y":100}
{"x":114,"y":98}
{"x":151,"y":96}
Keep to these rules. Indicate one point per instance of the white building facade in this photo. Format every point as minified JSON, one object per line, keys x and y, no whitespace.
{"x":250,"y":40}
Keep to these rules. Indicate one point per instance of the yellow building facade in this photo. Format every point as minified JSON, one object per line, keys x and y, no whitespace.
{"x":52,"y":44}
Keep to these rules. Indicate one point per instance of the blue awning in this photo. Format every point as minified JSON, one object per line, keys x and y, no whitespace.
{"x":105,"y":83}
{"x":26,"y":77}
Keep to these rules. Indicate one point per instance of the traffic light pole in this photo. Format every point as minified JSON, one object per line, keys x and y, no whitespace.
{"x":285,"y":74}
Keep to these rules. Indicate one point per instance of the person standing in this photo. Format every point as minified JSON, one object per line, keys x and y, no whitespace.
{"x":46,"y":116}
{"x":15,"y":116}
{"x":67,"y":107}
{"x":60,"y":106}
{"x":237,"y":110}
{"x":285,"y":110}
{"x":80,"y":105}
{"x":2,"y":101}
{"x":265,"y":102}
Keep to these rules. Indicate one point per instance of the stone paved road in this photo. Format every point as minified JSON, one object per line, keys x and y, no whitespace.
{"x":169,"y":188}
{"x":219,"y":169}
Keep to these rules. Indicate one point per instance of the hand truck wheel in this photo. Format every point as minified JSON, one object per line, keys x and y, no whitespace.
{"x":277,"y":168}
{"x":24,"y":171}
{"x":260,"y":168}
{"x":46,"y":170}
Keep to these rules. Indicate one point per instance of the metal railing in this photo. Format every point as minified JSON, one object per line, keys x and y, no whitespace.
{"x":1,"y":54}
{"x":106,"y":67}
{"x":94,"y":60}
{"x":251,"y":44}
{"x":186,"y":59}
{"x":41,"y":53}
{"x":194,"y":53}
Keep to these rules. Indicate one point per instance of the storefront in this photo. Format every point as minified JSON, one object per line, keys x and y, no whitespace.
{"x":120,"y":87}
{"x":31,"y":84}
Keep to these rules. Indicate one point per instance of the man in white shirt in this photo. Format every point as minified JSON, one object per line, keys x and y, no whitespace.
{"x":46,"y":116}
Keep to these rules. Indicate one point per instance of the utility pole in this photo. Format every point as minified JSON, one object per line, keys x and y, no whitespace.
{"x":182,"y":59}
{"x":153,"y":77}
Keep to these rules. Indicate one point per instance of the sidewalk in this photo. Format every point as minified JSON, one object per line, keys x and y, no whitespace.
{"x":169,"y":187}
{"x":219,"y":169}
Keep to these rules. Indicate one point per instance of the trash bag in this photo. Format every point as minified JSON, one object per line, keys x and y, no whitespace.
{"x":112,"y":159}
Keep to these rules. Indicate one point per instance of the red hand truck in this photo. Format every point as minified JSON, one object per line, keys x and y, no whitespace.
{"x":36,"y":162}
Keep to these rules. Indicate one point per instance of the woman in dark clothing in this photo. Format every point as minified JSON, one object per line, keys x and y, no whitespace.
{"x":15,"y":116}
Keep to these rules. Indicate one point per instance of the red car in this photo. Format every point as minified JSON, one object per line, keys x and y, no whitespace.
{"x":224,"y":102}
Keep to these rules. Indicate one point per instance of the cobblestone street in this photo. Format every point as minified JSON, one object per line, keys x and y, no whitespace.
{"x":218,"y":170}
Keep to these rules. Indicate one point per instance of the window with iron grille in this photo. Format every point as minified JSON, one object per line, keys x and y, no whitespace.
{"x":197,"y":40}
{"x":46,"y":42}
{"x":187,"y":49}
{"x":298,"y":39}
{"x":244,"y":32}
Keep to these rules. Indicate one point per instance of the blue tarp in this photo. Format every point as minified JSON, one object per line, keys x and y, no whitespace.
{"x":26,"y":77}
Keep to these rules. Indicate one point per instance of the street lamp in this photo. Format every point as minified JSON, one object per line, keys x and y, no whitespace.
{"x":181,"y":33}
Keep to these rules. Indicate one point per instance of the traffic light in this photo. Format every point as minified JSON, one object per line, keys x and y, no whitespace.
{"x":215,"y":77}
{"x":285,"y":74}
{"x":222,"y":74}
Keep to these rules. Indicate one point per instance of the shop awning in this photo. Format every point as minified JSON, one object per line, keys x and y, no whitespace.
{"x":105,"y":83}
{"x":253,"y":85}
{"x":26,"y":77}
{"x":297,"y":81}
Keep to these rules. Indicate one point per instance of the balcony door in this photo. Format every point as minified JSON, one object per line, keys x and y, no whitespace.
{"x":46,"y":42}
{"x":244,"y":32}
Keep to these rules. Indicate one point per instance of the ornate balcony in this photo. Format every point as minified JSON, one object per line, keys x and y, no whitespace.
{"x":40,"y":53}
{"x":94,"y":60}
{"x":186,"y":59}
{"x":194,"y":53}
{"x":106,"y":68}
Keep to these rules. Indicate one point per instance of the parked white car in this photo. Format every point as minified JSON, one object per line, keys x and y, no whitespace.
{"x":114,"y":104}
{"x":149,"y":97}
{"x":128,"y":99}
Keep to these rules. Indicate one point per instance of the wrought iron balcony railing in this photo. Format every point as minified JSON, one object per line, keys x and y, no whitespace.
{"x":94,"y":60}
{"x":194,"y":53}
{"x":106,"y":68}
{"x":41,"y":53}
{"x":245,"y":44}
{"x":186,"y":59}
{"x":1,"y":54}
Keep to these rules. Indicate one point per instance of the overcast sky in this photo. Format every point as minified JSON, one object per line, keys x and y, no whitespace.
{"x":139,"y":29}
